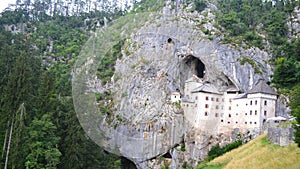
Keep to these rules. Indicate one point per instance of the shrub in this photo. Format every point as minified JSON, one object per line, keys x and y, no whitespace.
{"x":217,"y":151}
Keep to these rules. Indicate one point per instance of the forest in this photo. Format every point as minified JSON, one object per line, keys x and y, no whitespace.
{"x":38,"y":125}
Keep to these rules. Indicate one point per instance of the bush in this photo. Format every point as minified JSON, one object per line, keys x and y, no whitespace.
{"x":217,"y":151}
{"x":200,"y":5}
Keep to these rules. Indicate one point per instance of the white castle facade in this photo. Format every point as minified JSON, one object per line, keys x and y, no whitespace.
{"x":221,"y":110}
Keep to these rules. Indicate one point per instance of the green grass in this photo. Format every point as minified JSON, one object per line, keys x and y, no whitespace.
{"x":212,"y":166}
{"x":259,"y":154}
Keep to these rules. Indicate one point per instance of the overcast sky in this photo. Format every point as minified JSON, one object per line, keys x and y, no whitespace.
{"x":4,"y":4}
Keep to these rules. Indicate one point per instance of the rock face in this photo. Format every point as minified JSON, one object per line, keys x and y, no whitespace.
{"x":281,"y":136}
{"x":160,"y":56}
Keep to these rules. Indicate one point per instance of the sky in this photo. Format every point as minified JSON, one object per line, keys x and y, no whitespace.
{"x":4,"y":4}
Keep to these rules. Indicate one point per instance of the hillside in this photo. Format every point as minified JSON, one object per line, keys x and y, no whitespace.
{"x":259,"y":154}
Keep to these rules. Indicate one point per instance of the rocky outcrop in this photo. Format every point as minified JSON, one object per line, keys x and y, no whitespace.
{"x":158,"y":57}
{"x":294,"y":23}
{"x":281,"y":136}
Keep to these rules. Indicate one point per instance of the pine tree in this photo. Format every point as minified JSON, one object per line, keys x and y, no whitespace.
{"x":43,"y":144}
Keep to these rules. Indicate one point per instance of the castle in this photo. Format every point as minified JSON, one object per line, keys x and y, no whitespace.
{"x":222,"y":110}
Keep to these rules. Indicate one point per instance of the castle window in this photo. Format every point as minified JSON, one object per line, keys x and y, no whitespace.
{"x":217,"y":99}
{"x":237,"y":114}
{"x":196,"y":98}
{"x":206,"y":113}
{"x":250,"y":122}
{"x":229,"y":108}
{"x":228,"y":122}
{"x":222,"y":114}
{"x":254,"y":122}
{"x":222,"y":120}
{"x":230,"y":100}
{"x":250,"y":112}
{"x":206,"y":98}
{"x":236,"y":122}
{"x":237,"y":105}
{"x":265,"y":113}
{"x":217,"y":107}
{"x":222,"y":99}
{"x":255,"y":102}
{"x":229,"y":115}
{"x":255,"y":112}
{"x":245,"y":114}
{"x":187,"y":105}
{"x":251,"y":102}
{"x":212,"y":99}
{"x":195,"y":105}
{"x":222,"y":107}
{"x":245,"y":122}
{"x":206,"y":105}
{"x":265,"y":102}
{"x":216,"y":114}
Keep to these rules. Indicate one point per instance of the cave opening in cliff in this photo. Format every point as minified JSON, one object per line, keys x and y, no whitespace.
{"x":196,"y":65}
{"x":127,"y":164}
{"x":167,"y":155}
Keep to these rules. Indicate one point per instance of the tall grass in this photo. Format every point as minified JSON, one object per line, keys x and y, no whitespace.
{"x":260,"y":154}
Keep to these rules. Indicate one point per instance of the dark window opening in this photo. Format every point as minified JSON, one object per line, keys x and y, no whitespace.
{"x":169,"y":40}
{"x":255,"y":102}
{"x":265,"y":113}
{"x":206,"y":113}
{"x":265,"y":102}
{"x":222,"y":120}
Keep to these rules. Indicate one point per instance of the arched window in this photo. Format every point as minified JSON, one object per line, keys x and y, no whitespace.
{"x":206,"y":113}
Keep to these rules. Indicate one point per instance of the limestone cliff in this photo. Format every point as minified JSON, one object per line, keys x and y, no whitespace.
{"x":160,"y":53}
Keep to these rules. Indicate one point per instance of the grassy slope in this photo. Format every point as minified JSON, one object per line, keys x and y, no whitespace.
{"x":260,"y":154}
